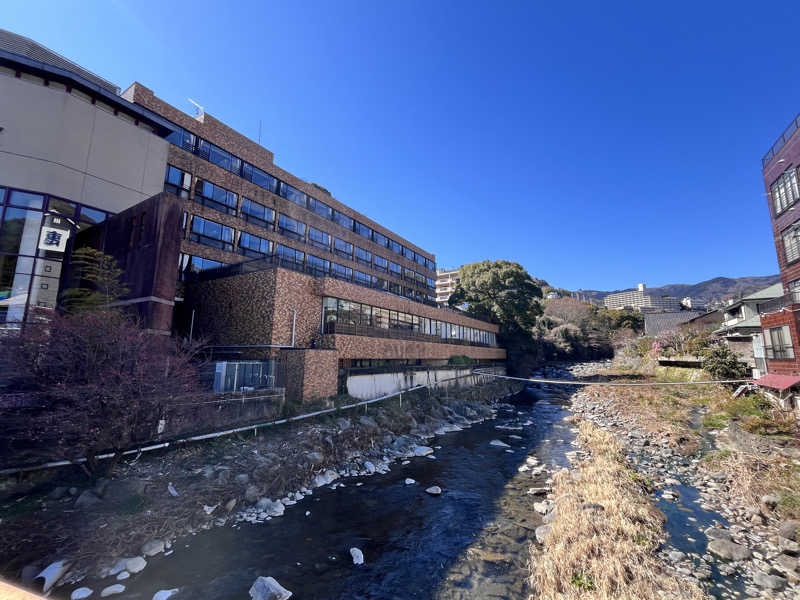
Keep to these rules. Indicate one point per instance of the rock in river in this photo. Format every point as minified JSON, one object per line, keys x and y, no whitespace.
{"x":358,"y":556}
{"x":165,"y":594}
{"x":135,"y":564}
{"x":152,"y":547}
{"x":273,"y":508}
{"x":111,"y":590}
{"x":266,"y":588}
{"x":434,"y":490}
{"x":499,"y":444}
{"x":422,"y":450}
{"x":52,"y":573}
{"x":728,"y":549}
{"x":81,"y":593}
{"x":542,"y":532}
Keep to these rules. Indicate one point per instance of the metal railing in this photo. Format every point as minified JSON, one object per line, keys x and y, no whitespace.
{"x":780,"y":302}
{"x":788,"y":133}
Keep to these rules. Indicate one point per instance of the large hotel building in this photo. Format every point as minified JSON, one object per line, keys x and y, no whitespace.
{"x":216,"y":241}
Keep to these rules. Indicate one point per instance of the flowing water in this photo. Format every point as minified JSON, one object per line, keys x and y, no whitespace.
{"x":410,"y":539}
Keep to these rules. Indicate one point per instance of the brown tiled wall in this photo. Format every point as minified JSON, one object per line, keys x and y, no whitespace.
{"x":355,"y":346}
{"x":310,"y":373}
{"x":777,"y":319}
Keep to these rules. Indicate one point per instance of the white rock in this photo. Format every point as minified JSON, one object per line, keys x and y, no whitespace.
{"x":423,"y":450}
{"x":123,"y":575}
{"x":80,"y":593}
{"x":434,"y":490}
{"x":164,"y":594}
{"x":273,"y":508}
{"x":370,"y":468}
{"x":52,"y":573}
{"x":120,"y":566}
{"x":117,"y":588}
{"x":135,"y":564}
{"x":266,"y":588}
{"x":152,"y":547}
{"x":410,"y":481}
{"x":358,"y":556}
{"x":209,"y":509}
{"x":499,"y":444}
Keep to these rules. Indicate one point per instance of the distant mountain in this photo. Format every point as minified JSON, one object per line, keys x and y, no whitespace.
{"x":719,"y":288}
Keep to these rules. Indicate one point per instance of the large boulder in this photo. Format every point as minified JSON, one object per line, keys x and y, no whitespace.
{"x":423,"y":450}
{"x":273,"y":508}
{"x":266,"y":588}
{"x":729,"y":550}
{"x":770,"y":582}
{"x":789,"y":529}
{"x":252,"y":493}
{"x":152,"y":547}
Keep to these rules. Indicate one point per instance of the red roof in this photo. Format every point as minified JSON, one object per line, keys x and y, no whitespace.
{"x":778,"y":382}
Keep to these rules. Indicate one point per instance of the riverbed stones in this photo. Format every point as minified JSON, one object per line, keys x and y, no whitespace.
{"x":81,"y":593}
{"x":541,"y":533}
{"x":434,"y":490}
{"x":729,"y":550}
{"x":358,"y":556}
{"x":770,"y":582}
{"x":409,"y":481}
{"x":789,"y":529}
{"x":273,"y":508}
{"x":252,"y":493}
{"x":52,"y":573}
{"x":123,"y":575}
{"x":499,"y":444}
{"x":152,"y":547}
{"x":87,"y":499}
{"x":135,"y":564}
{"x":230,"y":504}
{"x":325,"y":478}
{"x":165,"y":594}
{"x":267,"y":588}
{"x":543,"y":507}
{"x":422,"y":450}
{"x":112,"y":590}
{"x":242,"y":478}
{"x":369,"y":467}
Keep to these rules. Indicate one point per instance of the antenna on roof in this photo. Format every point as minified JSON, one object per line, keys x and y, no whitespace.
{"x":198,"y":109}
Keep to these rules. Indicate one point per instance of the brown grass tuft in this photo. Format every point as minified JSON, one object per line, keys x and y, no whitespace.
{"x":604,"y":554}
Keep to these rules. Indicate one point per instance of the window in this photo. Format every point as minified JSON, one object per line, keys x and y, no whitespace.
{"x":395,"y":247}
{"x":363,"y":256}
{"x":259,"y":214}
{"x":62,"y":207}
{"x":380,"y":284}
{"x":784,"y":190}
{"x":320,"y":208}
{"x":212,"y":234}
{"x":182,"y":139}
{"x":19,"y":232}
{"x":177,"y":182}
{"x":342,"y":248}
{"x":218,"y":156}
{"x":317,"y":266}
{"x":259,"y":177}
{"x":420,"y":260}
{"x":430,"y":283}
{"x":380,"y":317}
{"x":430,"y":264}
{"x":408,"y":274}
{"x":341,"y":272}
{"x":289,"y":256}
{"x":363,"y":230}
{"x":319,"y":239}
{"x":343,"y":220}
{"x":90,"y":215}
{"x":381,"y":264}
{"x":395,"y":288}
{"x":26,"y":200}
{"x":291,"y":228}
{"x":292,"y":194}
{"x":380,"y":239}
{"x":329,"y":312}
{"x":791,"y":243}
{"x":408,"y":253}
{"x":196,"y":264}
{"x":254,"y":246}
{"x":420,"y":278}
{"x":395,"y":269}
{"x":362,"y":279}
{"x":778,"y":343}
{"x":213,"y":196}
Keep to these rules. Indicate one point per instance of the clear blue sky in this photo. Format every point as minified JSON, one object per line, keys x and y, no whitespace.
{"x":598,"y":144}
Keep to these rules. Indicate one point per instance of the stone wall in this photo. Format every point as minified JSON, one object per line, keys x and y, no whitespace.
{"x":311,"y":373}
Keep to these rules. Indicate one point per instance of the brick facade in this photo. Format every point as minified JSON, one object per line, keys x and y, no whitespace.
{"x":356,"y":346}
{"x":777,"y":319}
{"x":311,"y":373}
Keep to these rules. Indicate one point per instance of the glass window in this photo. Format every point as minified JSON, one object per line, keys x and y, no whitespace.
{"x":216,"y":197}
{"x":342,"y":248}
{"x":257,"y":213}
{"x":341,"y":272}
{"x":395,"y":247}
{"x":289,"y":255}
{"x":25,"y":199}
{"x":366,"y":314}
{"x":211,"y":233}
{"x":218,"y":156}
{"x":319,"y":238}
{"x":182,"y":139}
{"x":342,"y":220}
{"x":380,"y":239}
{"x":408,"y":274}
{"x":395,"y":269}
{"x":91,"y":215}
{"x":19,"y":232}
{"x":177,"y":182}
{"x":362,"y":278}
{"x":791,"y":243}
{"x":381,"y":264}
{"x":292,"y":194}
{"x":380,"y":284}
{"x":329,"y":312}
{"x":778,"y":343}
{"x":363,"y":256}
{"x":784,"y":190}
{"x":395,"y":288}
{"x":380,"y":317}
{"x":430,"y":264}
{"x":363,"y":230}
{"x":420,"y":259}
{"x":320,"y":208}
{"x":259,"y":177}
{"x":254,"y":246}
{"x":291,"y":227}
{"x":317,"y":266}
{"x":430,"y":283}
{"x":408,"y":253}
{"x":62,"y":207}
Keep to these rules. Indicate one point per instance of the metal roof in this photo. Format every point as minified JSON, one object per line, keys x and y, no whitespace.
{"x":768,"y":293}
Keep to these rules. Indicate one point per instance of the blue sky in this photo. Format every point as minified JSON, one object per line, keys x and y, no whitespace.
{"x":598,"y":144}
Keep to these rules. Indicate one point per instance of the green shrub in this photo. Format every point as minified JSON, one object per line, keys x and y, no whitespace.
{"x":460,"y":360}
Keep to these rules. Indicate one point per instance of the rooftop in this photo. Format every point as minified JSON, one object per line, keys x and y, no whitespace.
{"x":784,"y":137}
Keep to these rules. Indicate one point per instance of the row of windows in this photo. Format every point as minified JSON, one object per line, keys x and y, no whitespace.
{"x":784,"y":190}
{"x":219,"y":236}
{"x":222,"y":158}
{"x":345,"y":312}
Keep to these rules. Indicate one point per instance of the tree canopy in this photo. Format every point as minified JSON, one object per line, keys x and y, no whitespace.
{"x":499,"y":291}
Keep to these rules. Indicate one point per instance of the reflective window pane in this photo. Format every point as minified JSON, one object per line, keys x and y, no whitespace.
{"x":26,"y":199}
{"x":19,"y":233}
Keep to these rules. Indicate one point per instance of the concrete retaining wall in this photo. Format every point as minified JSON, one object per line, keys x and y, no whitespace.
{"x":369,"y":386}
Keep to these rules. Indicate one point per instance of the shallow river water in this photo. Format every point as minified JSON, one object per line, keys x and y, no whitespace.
{"x":410,"y":539}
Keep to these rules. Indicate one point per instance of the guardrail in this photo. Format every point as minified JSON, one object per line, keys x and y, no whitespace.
{"x":781,"y":141}
{"x":335,"y":327}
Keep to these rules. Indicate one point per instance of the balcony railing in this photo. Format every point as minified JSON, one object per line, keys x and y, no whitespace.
{"x":780,"y":302}
{"x":784,"y":352}
{"x":395,"y":333}
{"x":781,"y":141}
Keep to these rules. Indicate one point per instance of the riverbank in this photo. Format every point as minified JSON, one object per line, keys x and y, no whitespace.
{"x":109,"y":528}
{"x":728,"y":494}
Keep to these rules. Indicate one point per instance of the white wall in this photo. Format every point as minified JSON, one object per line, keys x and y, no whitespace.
{"x":60,"y":144}
{"x":368,"y":387}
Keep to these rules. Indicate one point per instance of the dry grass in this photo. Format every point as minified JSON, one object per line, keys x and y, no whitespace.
{"x":608,"y":553}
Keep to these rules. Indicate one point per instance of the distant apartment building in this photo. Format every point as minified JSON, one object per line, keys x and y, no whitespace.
{"x":215,"y":239}
{"x":639,"y":299}
{"x":446,"y":280}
